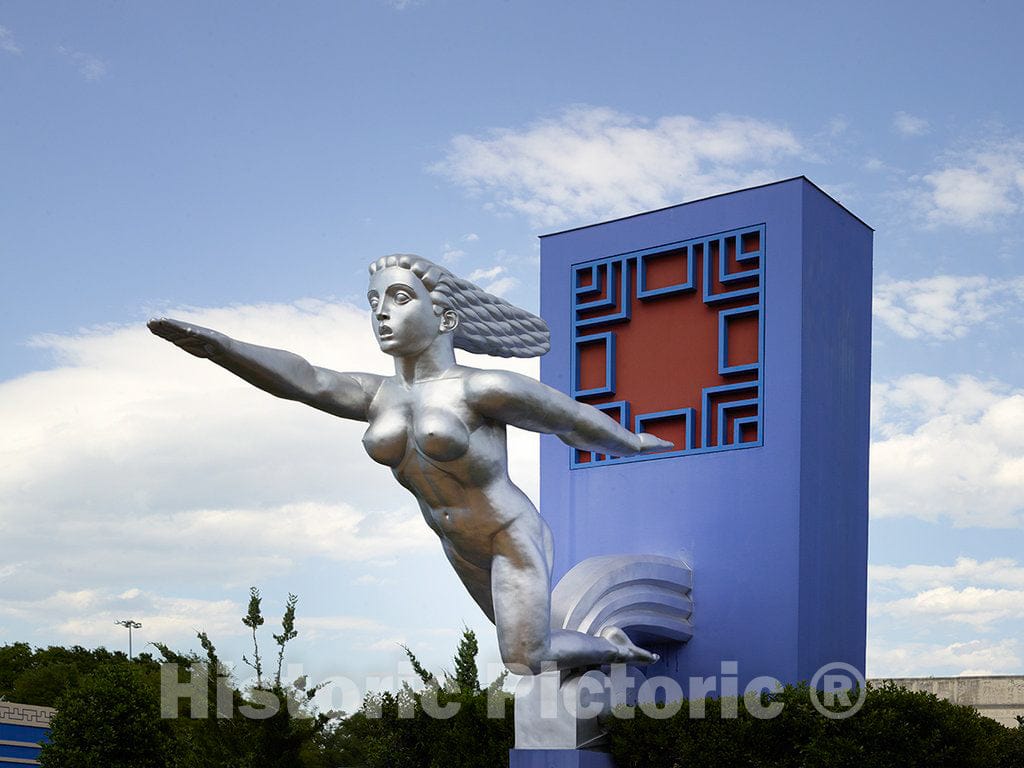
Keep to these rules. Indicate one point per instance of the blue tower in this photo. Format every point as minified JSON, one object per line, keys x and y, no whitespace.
{"x":739,"y":327}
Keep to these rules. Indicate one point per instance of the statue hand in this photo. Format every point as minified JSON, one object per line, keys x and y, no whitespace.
{"x":194,"y":339}
{"x":651,"y":444}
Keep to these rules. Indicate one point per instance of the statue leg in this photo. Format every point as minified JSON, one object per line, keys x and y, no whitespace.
{"x":520,"y":579}
{"x":475,"y":579}
{"x":522,"y":602}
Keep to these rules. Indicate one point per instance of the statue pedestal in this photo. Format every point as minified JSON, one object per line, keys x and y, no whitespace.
{"x":558,"y":758}
{"x":559,"y":710}
{"x":560,"y":713}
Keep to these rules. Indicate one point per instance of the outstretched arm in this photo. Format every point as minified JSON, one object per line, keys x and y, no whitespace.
{"x":526,"y":403}
{"x":281,"y":373}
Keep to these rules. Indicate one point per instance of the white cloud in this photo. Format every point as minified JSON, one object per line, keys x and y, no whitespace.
{"x":977,"y":606}
{"x":494,"y":280}
{"x":387,"y":643}
{"x":503,"y":286}
{"x":7,"y":41}
{"x":948,"y":449}
{"x":88,"y":616}
{"x":451,"y":255}
{"x":909,"y":125}
{"x":134,"y":466}
{"x":945,"y":307}
{"x":262,"y":540}
{"x":594,"y":162}
{"x":90,"y":67}
{"x":998,"y":572}
{"x":974,"y":657}
{"x":480,"y":275}
{"x":316,"y":627}
{"x":976,"y":188}
{"x":471,"y":237}
{"x":127,"y":412}
{"x":134,"y":456}
{"x":838,"y":125}
{"x":916,"y":601}
{"x":372,"y":579}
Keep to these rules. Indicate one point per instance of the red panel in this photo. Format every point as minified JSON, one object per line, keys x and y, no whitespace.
{"x":732,"y":267}
{"x":593,"y":365}
{"x":603,"y":277}
{"x":731,"y":416}
{"x":672,"y":429}
{"x":665,"y":269}
{"x":743,"y":338}
{"x":602,"y":283}
{"x":748,"y":245}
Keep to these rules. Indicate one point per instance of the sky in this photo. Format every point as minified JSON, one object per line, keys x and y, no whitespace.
{"x":239,"y":165}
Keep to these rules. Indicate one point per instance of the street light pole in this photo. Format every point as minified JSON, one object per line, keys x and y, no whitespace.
{"x":129,"y":624}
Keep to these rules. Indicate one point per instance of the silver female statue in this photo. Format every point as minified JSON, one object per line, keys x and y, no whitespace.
{"x":440,"y":426}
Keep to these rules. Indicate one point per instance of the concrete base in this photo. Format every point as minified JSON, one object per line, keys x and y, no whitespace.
{"x":559,"y":758}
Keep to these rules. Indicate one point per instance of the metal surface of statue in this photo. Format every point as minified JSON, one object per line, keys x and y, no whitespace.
{"x":441,"y":426}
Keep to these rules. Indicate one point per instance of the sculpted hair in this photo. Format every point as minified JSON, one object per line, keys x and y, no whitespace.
{"x":487,"y":325}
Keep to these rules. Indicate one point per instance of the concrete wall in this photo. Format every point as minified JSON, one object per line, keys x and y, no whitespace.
{"x":1000,"y":698}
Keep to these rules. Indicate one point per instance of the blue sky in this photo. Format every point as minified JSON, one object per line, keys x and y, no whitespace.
{"x":239,"y":164}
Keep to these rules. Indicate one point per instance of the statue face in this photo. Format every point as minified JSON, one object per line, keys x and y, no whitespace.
{"x":403,"y":315}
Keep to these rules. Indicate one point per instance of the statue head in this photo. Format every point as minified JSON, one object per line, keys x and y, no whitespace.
{"x":477,"y":320}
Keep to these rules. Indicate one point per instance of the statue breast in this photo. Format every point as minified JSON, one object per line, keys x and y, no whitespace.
{"x":438,"y":432}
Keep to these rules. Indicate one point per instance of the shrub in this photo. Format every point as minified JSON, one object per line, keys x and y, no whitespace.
{"x":895,"y":727}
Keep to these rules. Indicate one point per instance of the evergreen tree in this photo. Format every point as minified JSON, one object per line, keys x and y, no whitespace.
{"x":467,"y":677}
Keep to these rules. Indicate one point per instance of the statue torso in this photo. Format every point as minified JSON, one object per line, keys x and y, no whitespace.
{"x":452,"y":459}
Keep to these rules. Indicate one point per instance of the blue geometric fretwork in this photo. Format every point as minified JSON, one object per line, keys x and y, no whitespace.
{"x":725,"y":272}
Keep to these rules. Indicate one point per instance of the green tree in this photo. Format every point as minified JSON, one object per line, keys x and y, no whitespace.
{"x":288,"y":633}
{"x":254,"y":620}
{"x":467,"y":676}
{"x":40,"y":676}
{"x":111,"y":719}
{"x":284,"y":735}
{"x":14,"y":659}
{"x":94,"y":723}
{"x":216,"y":739}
